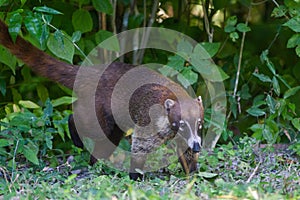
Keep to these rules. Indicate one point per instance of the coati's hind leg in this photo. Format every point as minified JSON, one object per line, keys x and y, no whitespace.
{"x":76,"y":139}
{"x":74,"y":134}
{"x":104,"y":145}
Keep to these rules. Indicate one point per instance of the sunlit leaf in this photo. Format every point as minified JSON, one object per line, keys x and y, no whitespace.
{"x":30,"y":155}
{"x":256,"y":112}
{"x":291,"y":92}
{"x":14,"y":25}
{"x":63,"y":101}
{"x":28,"y":104}
{"x":45,"y":9}
{"x":262,"y":77}
{"x":61,"y":48}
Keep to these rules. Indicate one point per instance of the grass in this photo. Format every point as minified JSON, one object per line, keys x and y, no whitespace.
{"x":242,"y":171}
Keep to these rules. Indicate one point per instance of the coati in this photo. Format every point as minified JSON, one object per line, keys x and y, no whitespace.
{"x":178,"y":113}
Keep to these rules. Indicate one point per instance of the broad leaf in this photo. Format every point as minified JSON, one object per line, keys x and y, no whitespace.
{"x":45,"y":9}
{"x":61,"y":47}
{"x":296,"y":123}
{"x":63,"y":101}
{"x":262,"y":77}
{"x":293,"y":24}
{"x":293,"y":41}
{"x":291,"y":92}
{"x":242,"y":27}
{"x":82,"y":21}
{"x":8,"y":59}
{"x":28,"y":104}
{"x":15,"y":22}
{"x":276,"y":85}
{"x":256,"y":112}
{"x":30,"y":155}
{"x":103,"y":6}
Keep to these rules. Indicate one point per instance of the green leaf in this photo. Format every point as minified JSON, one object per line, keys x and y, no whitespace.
{"x":28,"y":104}
{"x":291,"y":92}
{"x":48,"y":110}
{"x":242,"y":27}
{"x":30,"y":155}
{"x":15,"y":22}
{"x":276,"y":85}
{"x":168,"y":71}
{"x":103,"y":6}
{"x":176,"y":62}
{"x":293,"y":24}
{"x":234,"y":36}
{"x":187,"y":77}
{"x":271,"y":103}
{"x":256,"y":127}
{"x":34,"y":26}
{"x":293,"y":41}
{"x":298,"y":50}
{"x":107,"y":40}
{"x":200,"y":53}
{"x":76,"y":36}
{"x":267,"y":134}
{"x":42,"y":92}
{"x":2,"y":87}
{"x":262,"y":77}
{"x":2,"y":2}
{"x":8,"y":59}
{"x":206,"y":50}
{"x":61,"y":47}
{"x":207,"y":174}
{"x":230,"y":24}
{"x":45,"y":9}
{"x":48,"y":139}
{"x":5,"y":142}
{"x":82,"y":21}
{"x":244,"y":93}
{"x":16,"y":95}
{"x":63,"y":101}
{"x":279,"y":11}
{"x":296,"y":123}
{"x":184,"y":49}
{"x":256,"y":112}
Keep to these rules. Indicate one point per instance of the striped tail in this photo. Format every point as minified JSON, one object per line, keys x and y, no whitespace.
{"x":39,"y":61}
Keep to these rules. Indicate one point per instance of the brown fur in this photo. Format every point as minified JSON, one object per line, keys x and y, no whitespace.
{"x":139,"y":105}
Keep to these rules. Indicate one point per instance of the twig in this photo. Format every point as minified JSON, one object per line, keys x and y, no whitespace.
{"x":278,"y":6}
{"x":254,"y":172}
{"x":145,"y":36}
{"x":239,"y":63}
{"x":209,"y":30}
{"x":241,"y":56}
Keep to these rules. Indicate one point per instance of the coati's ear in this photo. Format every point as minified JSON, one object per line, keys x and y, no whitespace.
{"x":169,"y":103}
{"x":199,"y":100}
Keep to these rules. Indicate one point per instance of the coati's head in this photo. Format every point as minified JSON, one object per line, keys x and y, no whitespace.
{"x":186,"y":118}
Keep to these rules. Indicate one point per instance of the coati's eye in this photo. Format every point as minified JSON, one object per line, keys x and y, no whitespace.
{"x":174,"y":124}
{"x":199,"y":122}
{"x":181,"y":124}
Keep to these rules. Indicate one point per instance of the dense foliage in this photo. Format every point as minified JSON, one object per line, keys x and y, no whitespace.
{"x":255,"y":44}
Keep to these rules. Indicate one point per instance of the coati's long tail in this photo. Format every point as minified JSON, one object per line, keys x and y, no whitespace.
{"x":39,"y":61}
